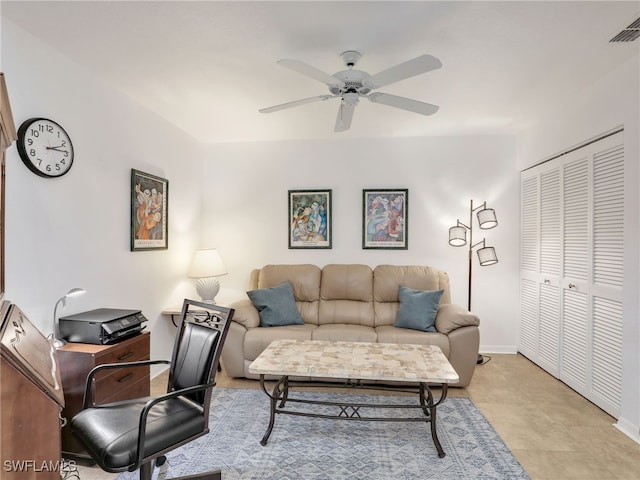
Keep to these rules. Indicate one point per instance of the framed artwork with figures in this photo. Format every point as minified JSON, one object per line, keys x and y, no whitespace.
{"x":385,"y":214}
{"x":149,"y":211}
{"x":309,"y":218}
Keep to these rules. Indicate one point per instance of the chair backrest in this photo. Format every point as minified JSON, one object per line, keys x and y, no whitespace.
{"x":201,"y":333}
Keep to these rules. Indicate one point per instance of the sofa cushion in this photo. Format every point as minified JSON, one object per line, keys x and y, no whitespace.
{"x":257,"y":339}
{"x":276,"y":306}
{"x":304,"y":279}
{"x":346,"y":294}
{"x":344,"y":333}
{"x":418,"y":308}
{"x":390,"y":334}
{"x":387,"y":279}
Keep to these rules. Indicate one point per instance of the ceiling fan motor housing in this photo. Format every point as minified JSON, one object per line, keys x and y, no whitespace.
{"x":353,"y":80}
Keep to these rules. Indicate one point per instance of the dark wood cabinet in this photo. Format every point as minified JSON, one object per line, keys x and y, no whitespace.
{"x":77,"y":359}
{"x":30,"y":400}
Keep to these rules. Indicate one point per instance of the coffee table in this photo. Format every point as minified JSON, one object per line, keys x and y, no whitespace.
{"x":357,"y":363}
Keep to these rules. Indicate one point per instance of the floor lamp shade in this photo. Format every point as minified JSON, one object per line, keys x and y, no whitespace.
{"x":458,"y":236}
{"x":487,"y":256}
{"x":487,"y":218}
{"x":206,"y":266}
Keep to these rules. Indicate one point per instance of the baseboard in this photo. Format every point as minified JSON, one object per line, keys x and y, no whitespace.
{"x":629,"y":429}
{"x":506,"y":349}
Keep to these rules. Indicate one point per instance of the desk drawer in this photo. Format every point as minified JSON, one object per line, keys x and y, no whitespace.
{"x":136,"y":388}
{"x":119,"y":382}
{"x":128,"y":352}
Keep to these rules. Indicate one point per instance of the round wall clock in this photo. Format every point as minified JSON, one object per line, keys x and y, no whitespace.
{"x":45,"y":147}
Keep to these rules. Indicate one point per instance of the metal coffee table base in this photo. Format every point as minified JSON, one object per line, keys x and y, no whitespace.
{"x":279,"y":398}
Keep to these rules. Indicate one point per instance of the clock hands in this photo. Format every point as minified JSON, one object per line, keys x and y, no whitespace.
{"x":57,"y":149}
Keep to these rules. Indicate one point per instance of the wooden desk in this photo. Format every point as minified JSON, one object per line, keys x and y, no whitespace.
{"x":30,"y":400}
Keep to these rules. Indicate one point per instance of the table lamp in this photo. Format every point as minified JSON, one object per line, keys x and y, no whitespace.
{"x":206,"y":266}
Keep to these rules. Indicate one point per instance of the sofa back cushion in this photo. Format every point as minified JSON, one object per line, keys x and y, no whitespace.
{"x":305,"y":281}
{"x":387,"y":280}
{"x":346,"y":295}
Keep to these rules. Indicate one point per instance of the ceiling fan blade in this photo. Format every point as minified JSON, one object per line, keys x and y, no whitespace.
{"x":404,"y":103}
{"x":345,"y":115}
{"x":313,"y":72}
{"x":410,"y":68}
{"x":295,"y":103}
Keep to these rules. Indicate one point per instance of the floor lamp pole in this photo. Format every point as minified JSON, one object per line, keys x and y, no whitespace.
{"x":470,"y":254}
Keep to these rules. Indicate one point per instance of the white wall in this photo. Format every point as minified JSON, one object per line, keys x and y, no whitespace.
{"x":612,"y":102}
{"x":74,"y":231}
{"x":245,"y":210}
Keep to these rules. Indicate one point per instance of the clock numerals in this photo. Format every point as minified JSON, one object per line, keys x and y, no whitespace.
{"x":45,"y":147}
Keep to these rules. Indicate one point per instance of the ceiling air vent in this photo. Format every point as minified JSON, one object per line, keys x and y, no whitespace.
{"x":628,"y":34}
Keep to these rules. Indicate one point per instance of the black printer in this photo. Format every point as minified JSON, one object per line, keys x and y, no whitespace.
{"x":101,"y":326}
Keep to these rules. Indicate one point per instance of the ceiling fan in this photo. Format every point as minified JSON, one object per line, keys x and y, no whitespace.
{"x":349,"y":85}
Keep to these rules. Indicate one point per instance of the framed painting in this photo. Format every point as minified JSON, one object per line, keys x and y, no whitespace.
{"x":149,"y":211}
{"x":309,"y":218}
{"x":385,"y":219}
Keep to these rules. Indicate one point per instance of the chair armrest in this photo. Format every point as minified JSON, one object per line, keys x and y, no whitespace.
{"x":245,"y":313}
{"x":142,"y":425}
{"x":451,"y":317}
{"x":105,"y":366}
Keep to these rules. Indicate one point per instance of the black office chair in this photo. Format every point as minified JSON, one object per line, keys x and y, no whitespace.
{"x":136,"y":434}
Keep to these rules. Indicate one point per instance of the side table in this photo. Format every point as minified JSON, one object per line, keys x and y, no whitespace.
{"x":77,"y":359}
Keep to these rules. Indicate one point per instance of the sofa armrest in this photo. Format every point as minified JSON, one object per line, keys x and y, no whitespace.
{"x":451,"y":317}
{"x":245,"y":313}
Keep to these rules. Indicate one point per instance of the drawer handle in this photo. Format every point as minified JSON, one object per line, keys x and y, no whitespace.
{"x":126,"y":377}
{"x":125,"y":356}
{"x":572,"y":286}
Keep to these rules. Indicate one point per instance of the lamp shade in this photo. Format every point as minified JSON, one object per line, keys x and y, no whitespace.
{"x":457,"y":236}
{"x":487,"y":256}
{"x":207,"y":263}
{"x":487,"y":218}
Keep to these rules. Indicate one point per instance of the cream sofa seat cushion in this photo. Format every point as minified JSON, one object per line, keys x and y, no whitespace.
{"x":257,"y":339}
{"x":390,"y":334}
{"x":344,"y":333}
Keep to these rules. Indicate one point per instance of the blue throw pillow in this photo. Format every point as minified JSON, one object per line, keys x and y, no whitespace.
{"x":418,"y":309}
{"x":276,"y":306}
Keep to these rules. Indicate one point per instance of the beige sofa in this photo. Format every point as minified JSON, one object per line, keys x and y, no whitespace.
{"x":351,"y":303}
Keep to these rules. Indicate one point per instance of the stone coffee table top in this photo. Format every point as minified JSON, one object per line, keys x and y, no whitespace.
{"x":355,"y":360}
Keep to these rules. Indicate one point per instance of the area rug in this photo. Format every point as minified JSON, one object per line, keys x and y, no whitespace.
{"x":302,"y":448}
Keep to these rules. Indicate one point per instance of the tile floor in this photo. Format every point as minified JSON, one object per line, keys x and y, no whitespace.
{"x":555,"y":433}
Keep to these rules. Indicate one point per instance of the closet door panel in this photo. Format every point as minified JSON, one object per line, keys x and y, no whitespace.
{"x":606,"y":371}
{"x":576,"y":220}
{"x":529,"y":327}
{"x":575,"y":340}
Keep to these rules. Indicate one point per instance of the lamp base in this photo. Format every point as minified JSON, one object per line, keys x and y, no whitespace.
{"x":208,"y":288}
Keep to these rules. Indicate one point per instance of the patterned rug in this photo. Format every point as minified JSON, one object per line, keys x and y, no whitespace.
{"x":303,"y":448}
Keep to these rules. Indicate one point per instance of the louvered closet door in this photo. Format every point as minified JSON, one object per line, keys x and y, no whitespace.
{"x":606,"y":287}
{"x":529,"y":261}
{"x":550,"y":270}
{"x":571,"y":267}
{"x":575,"y":325}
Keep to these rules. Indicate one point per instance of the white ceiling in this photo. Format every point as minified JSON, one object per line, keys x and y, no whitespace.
{"x":208,"y":66}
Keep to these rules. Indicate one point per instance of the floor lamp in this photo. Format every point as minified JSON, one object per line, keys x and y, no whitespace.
{"x":458,"y":238}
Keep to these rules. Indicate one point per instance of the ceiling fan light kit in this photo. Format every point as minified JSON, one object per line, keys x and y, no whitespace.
{"x":350,"y":85}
